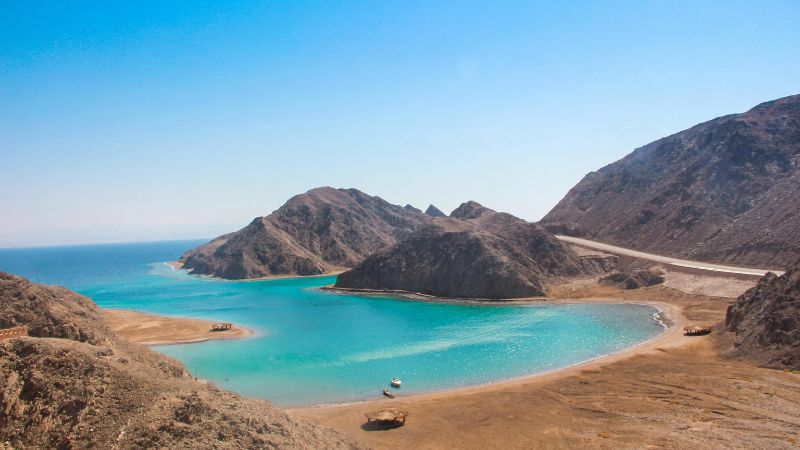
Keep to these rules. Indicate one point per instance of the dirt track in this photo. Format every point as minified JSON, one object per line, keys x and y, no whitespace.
{"x":685,"y":263}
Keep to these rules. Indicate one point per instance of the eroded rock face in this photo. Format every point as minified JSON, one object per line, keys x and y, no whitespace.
{"x":320,"y":231}
{"x":766,"y":321}
{"x":79,"y":385}
{"x":474,"y":253}
{"x":727,"y":190}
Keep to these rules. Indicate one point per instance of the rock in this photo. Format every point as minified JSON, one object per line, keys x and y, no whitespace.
{"x":727,"y":190}
{"x":474,"y":253}
{"x":434,"y":212}
{"x":78,"y":385}
{"x":320,"y":231}
{"x":634,"y":279}
{"x":766,"y":321}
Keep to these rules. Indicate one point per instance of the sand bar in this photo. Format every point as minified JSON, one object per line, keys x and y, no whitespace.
{"x":150,"y":329}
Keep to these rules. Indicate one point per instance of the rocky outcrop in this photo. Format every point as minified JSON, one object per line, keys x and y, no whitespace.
{"x":53,"y":312}
{"x":78,"y":385}
{"x":474,"y":253}
{"x":727,"y":190}
{"x":633,"y":279}
{"x":434,"y":212}
{"x":766,"y":321}
{"x":321,"y":231}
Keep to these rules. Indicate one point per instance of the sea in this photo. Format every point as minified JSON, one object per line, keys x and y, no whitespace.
{"x":312,"y":346}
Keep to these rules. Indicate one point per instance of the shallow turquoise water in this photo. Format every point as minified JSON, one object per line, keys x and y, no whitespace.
{"x":315,"y":347}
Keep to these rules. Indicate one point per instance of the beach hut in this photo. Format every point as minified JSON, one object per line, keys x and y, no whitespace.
{"x":695,"y":330}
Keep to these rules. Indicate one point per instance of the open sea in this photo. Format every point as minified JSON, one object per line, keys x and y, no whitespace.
{"x":315,"y":347}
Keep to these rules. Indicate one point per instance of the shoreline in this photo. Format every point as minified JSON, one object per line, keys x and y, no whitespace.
{"x":153,"y":330}
{"x":519,"y":301}
{"x":177,"y":265}
{"x":672,"y":336}
{"x":418,"y":296}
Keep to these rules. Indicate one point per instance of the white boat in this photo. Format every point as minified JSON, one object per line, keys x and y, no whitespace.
{"x":396,"y":382}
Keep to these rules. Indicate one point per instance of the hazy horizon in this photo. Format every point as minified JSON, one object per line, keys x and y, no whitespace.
{"x":164,"y":121}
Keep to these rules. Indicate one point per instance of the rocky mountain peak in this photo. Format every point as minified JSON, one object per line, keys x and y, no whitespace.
{"x":322,"y":230}
{"x":470,"y":210}
{"x":434,"y":211}
{"x":412,"y":208}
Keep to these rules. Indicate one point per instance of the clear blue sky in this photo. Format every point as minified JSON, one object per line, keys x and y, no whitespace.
{"x":149,"y":120}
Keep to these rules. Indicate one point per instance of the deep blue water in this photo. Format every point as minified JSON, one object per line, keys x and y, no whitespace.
{"x":313,"y":346}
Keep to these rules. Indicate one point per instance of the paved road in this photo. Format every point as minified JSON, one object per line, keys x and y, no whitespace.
{"x":666,"y":259}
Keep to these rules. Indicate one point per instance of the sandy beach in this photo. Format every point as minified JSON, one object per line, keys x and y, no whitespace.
{"x":150,"y":329}
{"x":671,"y":392}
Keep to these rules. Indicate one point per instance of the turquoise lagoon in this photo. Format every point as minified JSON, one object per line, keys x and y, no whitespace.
{"x":312,"y":347}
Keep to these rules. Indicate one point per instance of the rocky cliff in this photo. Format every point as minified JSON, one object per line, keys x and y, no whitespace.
{"x":766,"y":321}
{"x":727,"y":190}
{"x":320,"y":231}
{"x":474,"y":253}
{"x":75,"y":384}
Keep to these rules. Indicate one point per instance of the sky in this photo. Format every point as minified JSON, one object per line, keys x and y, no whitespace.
{"x":148,"y":120}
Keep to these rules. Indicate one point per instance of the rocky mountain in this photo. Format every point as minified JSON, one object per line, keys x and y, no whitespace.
{"x":474,"y":253}
{"x":766,"y":321}
{"x":75,"y":384}
{"x":727,"y":190}
{"x":434,"y":212}
{"x":321,"y":231}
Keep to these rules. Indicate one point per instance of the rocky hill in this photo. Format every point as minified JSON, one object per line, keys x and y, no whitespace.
{"x":474,"y":253}
{"x":766,"y":321}
{"x":633,"y":279}
{"x":727,"y":190}
{"x":75,"y":384}
{"x":321,"y":231}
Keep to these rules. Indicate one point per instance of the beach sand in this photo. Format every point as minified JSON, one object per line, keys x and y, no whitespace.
{"x":671,"y":392}
{"x":150,"y":329}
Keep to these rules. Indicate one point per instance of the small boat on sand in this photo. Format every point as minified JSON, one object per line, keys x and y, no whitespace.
{"x":396,"y":382}
{"x":694,"y":330}
{"x":388,"y":394}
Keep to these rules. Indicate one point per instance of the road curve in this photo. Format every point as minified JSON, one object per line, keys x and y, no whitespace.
{"x":718,"y":268}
